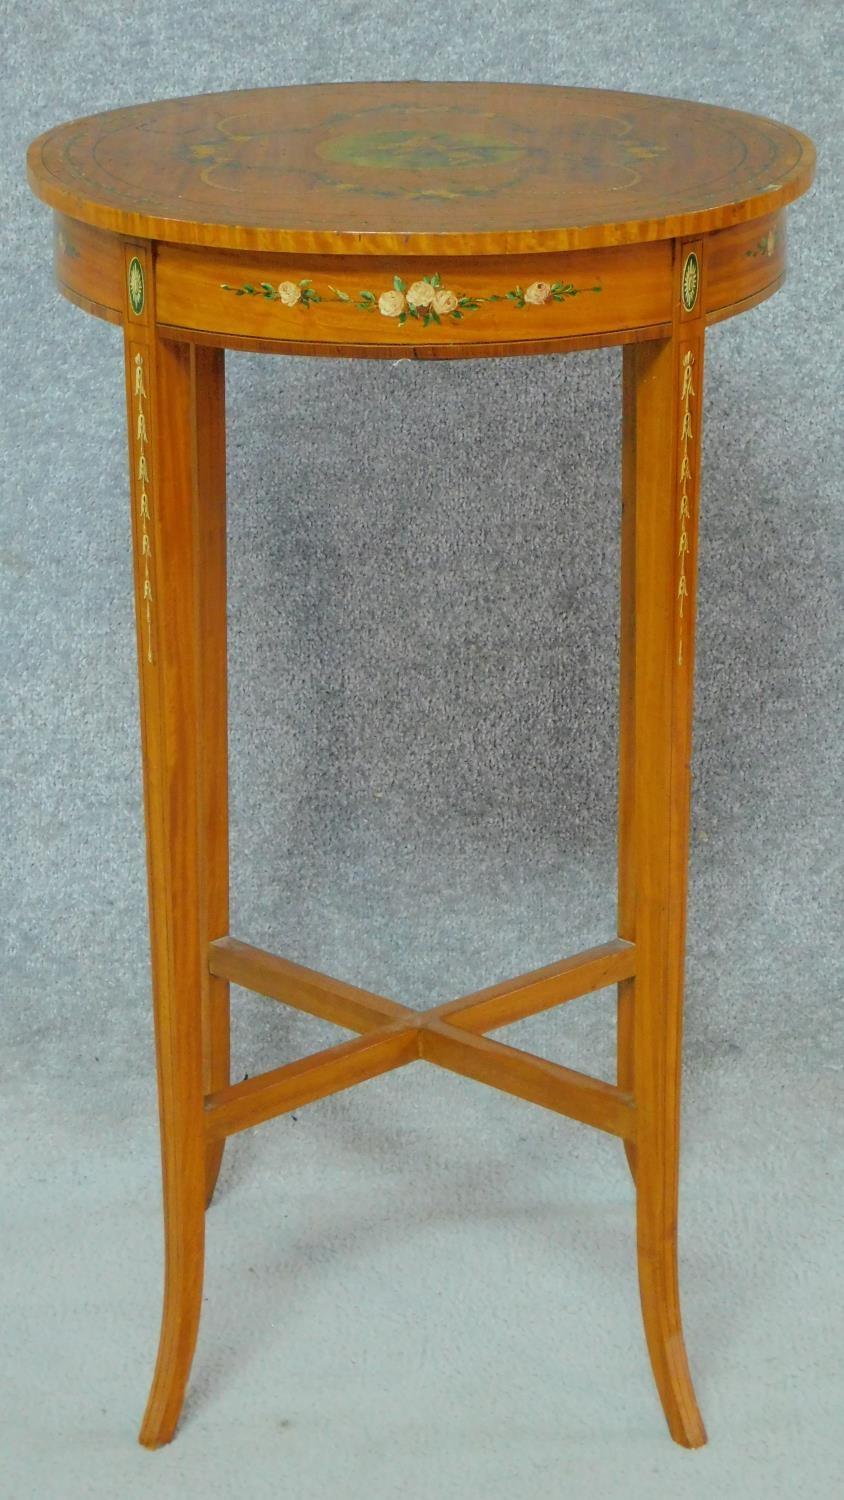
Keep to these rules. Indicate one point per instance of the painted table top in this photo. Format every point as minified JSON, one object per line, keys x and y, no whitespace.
{"x":414,"y":168}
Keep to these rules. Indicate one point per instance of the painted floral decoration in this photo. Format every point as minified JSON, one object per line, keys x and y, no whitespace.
{"x":66,"y":246}
{"x":426,"y":300}
{"x":765,"y":246}
{"x":136,"y":285}
{"x":287,"y":292}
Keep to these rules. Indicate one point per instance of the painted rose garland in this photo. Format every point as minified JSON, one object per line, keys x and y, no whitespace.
{"x":425,"y":301}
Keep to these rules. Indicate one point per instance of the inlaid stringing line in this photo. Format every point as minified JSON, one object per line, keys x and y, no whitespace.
{"x":141,"y":440}
{"x":686,"y":393}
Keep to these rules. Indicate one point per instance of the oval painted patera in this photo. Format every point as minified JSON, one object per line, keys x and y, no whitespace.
{"x":691,"y":281}
{"x":136,"y":285}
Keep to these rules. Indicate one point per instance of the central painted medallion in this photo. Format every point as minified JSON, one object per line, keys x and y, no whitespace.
{"x":418,"y":150}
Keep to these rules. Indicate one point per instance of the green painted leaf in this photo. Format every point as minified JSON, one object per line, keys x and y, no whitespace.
{"x":398,"y":284}
{"x":435,"y":279}
{"x":435,"y":316}
{"x":402,"y":318}
{"x":341,"y":296}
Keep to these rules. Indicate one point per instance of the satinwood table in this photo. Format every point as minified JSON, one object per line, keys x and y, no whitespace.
{"x":433,"y":221}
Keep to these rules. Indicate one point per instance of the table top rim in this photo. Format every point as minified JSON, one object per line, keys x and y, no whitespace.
{"x":331,"y":238}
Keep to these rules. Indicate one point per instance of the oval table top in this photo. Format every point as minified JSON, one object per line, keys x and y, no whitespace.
{"x":414,"y":168}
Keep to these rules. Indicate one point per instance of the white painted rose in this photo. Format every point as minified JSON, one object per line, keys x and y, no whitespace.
{"x":444,"y":301}
{"x":538,"y":292}
{"x":289,"y":293}
{"x":421,"y":294}
{"x":391,"y":303}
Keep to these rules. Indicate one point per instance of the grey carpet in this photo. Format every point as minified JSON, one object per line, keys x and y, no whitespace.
{"x":422,"y":1288}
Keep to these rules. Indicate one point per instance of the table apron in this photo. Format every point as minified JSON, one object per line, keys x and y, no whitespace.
{"x":437,"y":306}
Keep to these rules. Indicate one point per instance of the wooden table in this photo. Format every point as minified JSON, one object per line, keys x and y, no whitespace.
{"x":433,"y":221}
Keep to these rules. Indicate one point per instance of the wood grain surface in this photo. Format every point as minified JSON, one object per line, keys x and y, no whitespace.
{"x":430,"y":221}
{"x":419,"y":169}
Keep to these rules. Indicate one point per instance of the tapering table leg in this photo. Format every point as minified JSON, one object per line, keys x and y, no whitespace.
{"x":662,"y":407}
{"x":174,"y":394}
{"x":209,"y":417}
{"x":626,"y":727}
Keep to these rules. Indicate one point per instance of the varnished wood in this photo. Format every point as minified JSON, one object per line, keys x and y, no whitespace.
{"x":626,"y":731}
{"x":277,"y":1092}
{"x":743,"y":263}
{"x":360,"y":1010}
{"x":444,"y":349}
{"x":445,"y":1034}
{"x":658,"y":651}
{"x":209,"y":477}
{"x":425,"y":221}
{"x":337,"y":195}
{"x":280,"y":979}
{"x":419,"y":169}
{"x":88,"y":265}
{"x":619,"y":289}
{"x":589,"y":1100}
{"x":540,"y":989}
{"x":169,"y":656}
{"x":745,"y":304}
